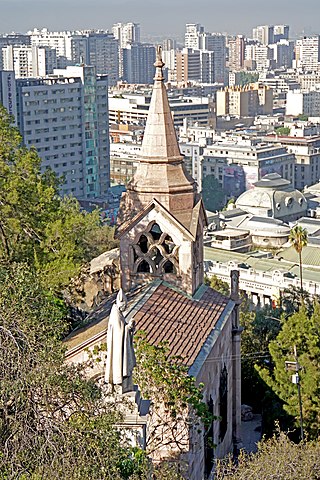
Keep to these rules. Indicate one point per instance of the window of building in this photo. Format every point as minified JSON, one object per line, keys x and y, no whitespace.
{"x":223,"y":404}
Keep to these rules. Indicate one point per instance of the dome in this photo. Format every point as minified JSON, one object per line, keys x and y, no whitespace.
{"x":273,"y":197}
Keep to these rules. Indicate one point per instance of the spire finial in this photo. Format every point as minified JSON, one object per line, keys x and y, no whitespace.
{"x":159,"y":64}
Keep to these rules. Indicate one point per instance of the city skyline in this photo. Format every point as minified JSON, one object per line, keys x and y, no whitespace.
{"x":156,"y":19}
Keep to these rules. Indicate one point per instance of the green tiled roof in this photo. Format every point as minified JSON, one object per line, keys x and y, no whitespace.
{"x":311,"y":271}
{"x":310,"y":256}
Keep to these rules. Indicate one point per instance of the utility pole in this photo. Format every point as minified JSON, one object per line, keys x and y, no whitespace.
{"x":296,"y":380}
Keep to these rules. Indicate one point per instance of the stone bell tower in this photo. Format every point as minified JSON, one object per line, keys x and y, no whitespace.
{"x":161,"y":216}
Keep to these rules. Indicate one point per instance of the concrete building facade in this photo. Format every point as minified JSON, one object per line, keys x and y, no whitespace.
{"x":133,"y":108}
{"x":65,"y":117}
{"x":126,"y":33}
{"x":247,"y":101}
{"x":303,"y":102}
{"x":236,"y":53}
{"x":306,"y":151}
{"x":307,"y":53}
{"x":29,"y":61}
{"x":137,"y":61}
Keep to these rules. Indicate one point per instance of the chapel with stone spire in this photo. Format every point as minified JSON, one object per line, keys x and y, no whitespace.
{"x":161,"y":216}
{"x":160,"y":227}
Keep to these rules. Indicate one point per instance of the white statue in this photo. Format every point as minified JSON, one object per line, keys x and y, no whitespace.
{"x":120,"y":353}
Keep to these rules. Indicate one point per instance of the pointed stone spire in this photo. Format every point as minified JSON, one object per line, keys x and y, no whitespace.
{"x":160,"y":141}
{"x":161,"y":172}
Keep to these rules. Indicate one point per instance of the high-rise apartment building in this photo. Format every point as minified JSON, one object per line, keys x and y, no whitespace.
{"x":308,"y":53}
{"x":259,"y":55}
{"x":191,"y":37}
{"x":196,"y":65}
{"x":29,"y":61}
{"x":8,"y":94}
{"x":169,"y":44}
{"x":60,"y":41}
{"x":236,"y":53}
{"x":90,"y":47}
{"x":280,"y":32}
{"x":138,"y":63}
{"x":283,"y":53}
{"x":247,"y":101}
{"x":188,"y":65}
{"x":65,"y":117}
{"x":126,"y":33}
{"x":197,"y":39}
{"x":267,"y":34}
{"x":103,"y":51}
{"x":263,"y":34}
{"x":216,"y":43}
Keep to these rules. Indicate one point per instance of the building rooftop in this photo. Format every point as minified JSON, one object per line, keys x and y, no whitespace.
{"x":165,"y":314}
{"x":310,"y":257}
{"x":272,"y":180}
{"x":288,"y":262}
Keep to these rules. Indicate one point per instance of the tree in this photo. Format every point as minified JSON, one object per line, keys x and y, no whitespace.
{"x":259,"y":328}
{"x":177,"y":404}
{"x":299,"y":239}
{"x":37,"y":226}
{"x":282,"y":130}
{"x":217,"y":284}
{"x":303,"y":332}
{"x":212,"y":193}
{"x":277,"y":458}
{"x":291,"y":300}
{"x":54,"y":423}
{"x":247,"y":78}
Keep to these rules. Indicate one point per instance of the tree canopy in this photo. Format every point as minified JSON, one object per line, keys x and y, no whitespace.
{"x":37,"y":226}
{"x":277,"y":458}
{"x":212,"y":193}
{"x":53,"y":422}
{"x":301,"y":331}
{"x":217,"y":284}
{"x":299,"y":238}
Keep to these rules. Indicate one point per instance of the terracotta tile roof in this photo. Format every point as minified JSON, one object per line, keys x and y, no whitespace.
{"x":184,"y":322}
{"x":165,"y":314}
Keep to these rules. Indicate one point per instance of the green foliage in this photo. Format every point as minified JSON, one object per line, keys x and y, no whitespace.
{"x":217,"y":284}
{"x":260,"y":327}
{"x":36,"y":226}
{"x":291,"y":300}
{"x":177,"y":402}
{"x":212,"y":193}
{"x":245,"y":78}
{"x":304,"y":332}
{"x":303,"y":117}
{"x":282,"y":130}
{"x":53,"y":422}
{"x":277,"y":458}
{"x":299,"y":238}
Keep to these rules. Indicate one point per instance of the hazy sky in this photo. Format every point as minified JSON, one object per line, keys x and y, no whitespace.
{"x":159,"y":17}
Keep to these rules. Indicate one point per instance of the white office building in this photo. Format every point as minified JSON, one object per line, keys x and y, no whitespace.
{"x":126,"y":33}
{"x":308,"y":53}
{"x":29,"y":61}
{"x":60,"y":41}
{"x":303,"y":102}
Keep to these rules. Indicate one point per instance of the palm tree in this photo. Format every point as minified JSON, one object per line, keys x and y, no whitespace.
{"x":299,"y":238}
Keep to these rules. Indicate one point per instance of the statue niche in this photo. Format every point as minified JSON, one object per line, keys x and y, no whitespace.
{"x":155,"y":252}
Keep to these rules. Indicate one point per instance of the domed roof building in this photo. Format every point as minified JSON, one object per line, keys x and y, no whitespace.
{"x":273,"y":197}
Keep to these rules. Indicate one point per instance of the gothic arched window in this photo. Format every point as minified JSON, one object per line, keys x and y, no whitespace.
{"x":155,"y":252}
